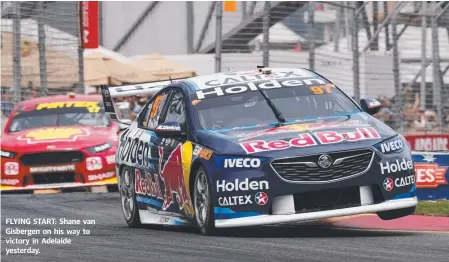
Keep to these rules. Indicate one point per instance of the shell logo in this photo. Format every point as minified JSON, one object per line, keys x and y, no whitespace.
{"x":53,"y":134}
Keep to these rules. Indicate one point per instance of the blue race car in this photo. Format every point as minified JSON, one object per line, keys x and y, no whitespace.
{"x":258,"y":147}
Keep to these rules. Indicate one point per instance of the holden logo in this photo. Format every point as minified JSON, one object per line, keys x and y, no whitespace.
{"x":51,"y":147}
{"x":324,"y":161}
{"x":388,"y":184}
{"x":261,"y":198}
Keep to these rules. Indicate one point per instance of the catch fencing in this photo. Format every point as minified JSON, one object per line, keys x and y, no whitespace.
{"x":40,"y":50}
{"x":397,"y":52}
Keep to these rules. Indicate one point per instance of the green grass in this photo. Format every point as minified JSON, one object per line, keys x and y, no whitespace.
{"x":433,"y":208}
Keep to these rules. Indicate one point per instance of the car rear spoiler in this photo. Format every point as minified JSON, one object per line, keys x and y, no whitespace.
{"x":129,"y":90}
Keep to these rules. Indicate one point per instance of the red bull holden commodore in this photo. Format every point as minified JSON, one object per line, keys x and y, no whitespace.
{"x":254,"y":148}
{"x":58,"y":142}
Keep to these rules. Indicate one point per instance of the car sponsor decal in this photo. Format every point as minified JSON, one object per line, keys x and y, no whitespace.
{"x":396,"y":166}
{"x":430,"y":175}
{"x":54,"y":134}
{"x":134,"y":150}
{"x":234,"y":87}
{"x":94,"y":163}
{"x":147,"y":184}
{"x":202,"y":152}
{"x":110,"y":159}
{"x":393,"y":146}
{"x":172,"y":174}
{"x":300,"y":128}
{"x":230,"y":78}
{"x":90,"y":106}
{"x":238,"y":185}
{"x":261,"y":198}
{"x":9,"y":182}
{"x":332,"y":137}
{"x":47,"y":169}
{"x":390,"y":183}
{"x":306,"y":140}
{"x":227,"y":162}
{"x":235,"y":200}
{"x":101,"y":176}
{"x":11,"y":168}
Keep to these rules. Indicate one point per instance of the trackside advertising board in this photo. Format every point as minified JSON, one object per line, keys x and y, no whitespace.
{"x":432,"y":175}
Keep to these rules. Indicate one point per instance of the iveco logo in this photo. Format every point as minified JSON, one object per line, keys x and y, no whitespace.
{"x":324,"y":161}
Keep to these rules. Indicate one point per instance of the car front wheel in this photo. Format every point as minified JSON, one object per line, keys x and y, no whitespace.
{"x":128,"y":198}
{"x":202,"y":203}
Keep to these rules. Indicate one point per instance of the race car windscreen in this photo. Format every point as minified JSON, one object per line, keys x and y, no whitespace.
{"x":87,"y":113}
{"x":250,"y":108}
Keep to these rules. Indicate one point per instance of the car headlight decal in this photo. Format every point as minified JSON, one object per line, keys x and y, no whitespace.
{"x":99,"y":148}
{"x":7,"y":154}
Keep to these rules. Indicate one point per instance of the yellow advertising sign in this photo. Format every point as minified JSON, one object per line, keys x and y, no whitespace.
{"x":91,"y":106}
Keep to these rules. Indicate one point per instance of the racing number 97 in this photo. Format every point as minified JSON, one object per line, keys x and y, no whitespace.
{"x":156,"y":104}
{"x":319,"y":90}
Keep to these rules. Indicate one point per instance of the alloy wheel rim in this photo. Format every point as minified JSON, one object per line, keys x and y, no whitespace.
{"x":127,"y":193}
{"x":201,"y":198}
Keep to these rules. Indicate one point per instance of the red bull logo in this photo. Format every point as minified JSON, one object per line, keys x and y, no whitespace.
{"x":173,"y":177}
{"x":301,"y":128}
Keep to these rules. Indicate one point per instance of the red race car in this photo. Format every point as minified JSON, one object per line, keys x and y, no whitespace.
{"x":57,"y":142}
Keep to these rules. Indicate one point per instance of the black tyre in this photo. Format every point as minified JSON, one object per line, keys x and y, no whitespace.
{"x":128,"y":198}
{"x":393,"y":214}
{"x":202,"y":203}
{"x":112,"y":188}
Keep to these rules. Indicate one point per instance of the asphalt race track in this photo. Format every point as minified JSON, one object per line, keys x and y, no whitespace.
{"x":112,"y":240}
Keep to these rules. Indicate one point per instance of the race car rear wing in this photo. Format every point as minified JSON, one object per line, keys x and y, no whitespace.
{"x":126,"y":91}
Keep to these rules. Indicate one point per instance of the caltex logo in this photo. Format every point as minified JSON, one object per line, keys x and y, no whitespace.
{"x":261,"y":198}
{"x":388,"y":184}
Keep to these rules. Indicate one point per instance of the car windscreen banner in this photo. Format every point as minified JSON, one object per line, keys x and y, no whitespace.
{"x":432,"y":175}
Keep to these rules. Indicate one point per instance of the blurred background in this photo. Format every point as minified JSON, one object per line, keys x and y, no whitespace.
{"x":395,"y":51}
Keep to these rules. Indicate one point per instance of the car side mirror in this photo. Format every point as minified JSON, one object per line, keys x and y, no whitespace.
{"x":170,"y":129}
{"x":371,"y":106}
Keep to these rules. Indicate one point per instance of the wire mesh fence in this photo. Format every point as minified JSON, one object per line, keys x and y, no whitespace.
{"x":397,"y":52}
{"x":40,"y":50}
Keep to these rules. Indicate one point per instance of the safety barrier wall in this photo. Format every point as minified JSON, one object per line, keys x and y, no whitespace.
{"x":432,"y":175}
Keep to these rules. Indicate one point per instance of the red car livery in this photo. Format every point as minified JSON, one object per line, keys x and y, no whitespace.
{"x":58,"y":142}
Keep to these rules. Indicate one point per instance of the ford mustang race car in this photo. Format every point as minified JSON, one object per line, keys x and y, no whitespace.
{"x":58,"y":142}
{"x":257,"y":147}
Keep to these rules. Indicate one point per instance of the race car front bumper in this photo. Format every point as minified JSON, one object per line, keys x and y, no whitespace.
{"x":303,"y":217}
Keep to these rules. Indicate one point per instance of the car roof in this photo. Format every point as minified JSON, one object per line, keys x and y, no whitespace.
{"x":233,"y":77}
{"x":61,"y":98}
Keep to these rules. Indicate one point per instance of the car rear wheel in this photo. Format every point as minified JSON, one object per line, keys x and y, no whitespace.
{"x":128,"y":198}
{"x":202,"y":203}
{"x":393,"y":214}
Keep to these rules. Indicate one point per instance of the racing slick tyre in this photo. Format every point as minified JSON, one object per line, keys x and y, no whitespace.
{"x":393,"y":214}
{"x":128,"y":198}
{"x":202,"y":203}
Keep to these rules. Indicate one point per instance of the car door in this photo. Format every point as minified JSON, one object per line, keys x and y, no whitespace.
{"x":139,"y":149}
{"x":176,"y":152}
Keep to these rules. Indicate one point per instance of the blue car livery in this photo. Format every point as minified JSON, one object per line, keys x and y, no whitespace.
{"x":257,"y":147}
